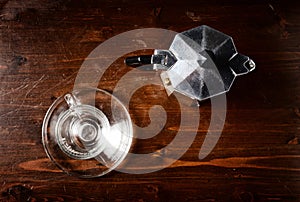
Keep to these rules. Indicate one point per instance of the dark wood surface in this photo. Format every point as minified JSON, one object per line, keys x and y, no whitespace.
{"x":42,"y":46}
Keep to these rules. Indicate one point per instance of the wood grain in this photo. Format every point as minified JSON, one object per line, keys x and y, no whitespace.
{"x":42,"y":46}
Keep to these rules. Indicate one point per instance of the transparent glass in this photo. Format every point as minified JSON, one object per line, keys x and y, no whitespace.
{"x":87,"y":133}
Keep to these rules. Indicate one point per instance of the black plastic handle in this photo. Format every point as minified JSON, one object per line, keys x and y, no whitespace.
{"x":138,"y":60}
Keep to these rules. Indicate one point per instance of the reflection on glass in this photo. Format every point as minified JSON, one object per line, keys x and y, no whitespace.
{"x":87,"y":132}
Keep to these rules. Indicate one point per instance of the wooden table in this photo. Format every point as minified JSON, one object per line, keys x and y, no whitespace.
{"x":44,"y":43}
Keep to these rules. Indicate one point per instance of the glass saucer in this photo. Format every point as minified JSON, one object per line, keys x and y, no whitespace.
{"x":87,"y":133}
